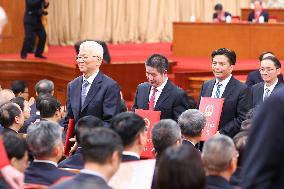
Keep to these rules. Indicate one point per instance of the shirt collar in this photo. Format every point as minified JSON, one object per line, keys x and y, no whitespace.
{"x":271,"y":87}
{"x":161,"y":87}
{"x":91,"y":172}
{"x":91,"y":78}
{"x":189,"y":141}
{"x":225,"y":81}
{"x":46,"y":161}
{"x":131,"y":154}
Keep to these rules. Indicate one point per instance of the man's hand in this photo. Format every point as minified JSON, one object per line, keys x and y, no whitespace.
{"x":31,"y":101}
{"x":13,"y":177}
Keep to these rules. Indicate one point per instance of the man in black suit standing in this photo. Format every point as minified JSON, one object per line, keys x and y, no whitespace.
{"x":93,"y":93}
{"x":226,"y":86}
{"x":270,"y":68}
{"x":159,"y":93}
{"x":101,"y":150}
{"x":33,"y":26}
{"x":263,"y":158}
{"x":254,"y":77}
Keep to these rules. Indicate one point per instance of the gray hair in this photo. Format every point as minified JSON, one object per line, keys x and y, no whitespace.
{"x":94,"y":47}
{"x":217,"y":153}
{"x":191,"y":122}
{"x":44,"y":86}
{"x":5,"y":96}
{"x":43,"y":137}
{"x":165,"y":134}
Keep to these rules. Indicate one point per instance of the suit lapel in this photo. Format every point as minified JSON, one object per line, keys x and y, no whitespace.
{"x":164,"y":95}
{"x":76,"y":92}
{"x":277,"y":86}
{"x":96,"y":85}
{"x":145,"y":97}
{"x":209,"y":89}
{"x":229,"y":88}
{"x":260,"y":91}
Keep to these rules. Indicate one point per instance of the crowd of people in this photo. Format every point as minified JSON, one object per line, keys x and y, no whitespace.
{"x":245,"y":152}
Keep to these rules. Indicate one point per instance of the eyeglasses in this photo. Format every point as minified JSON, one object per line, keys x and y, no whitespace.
{"x":267,"y":69}
{"x":84,"y":57}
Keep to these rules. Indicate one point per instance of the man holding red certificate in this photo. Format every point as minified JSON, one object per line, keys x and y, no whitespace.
{"x":226,"y":86}
{"x":159,"y":93}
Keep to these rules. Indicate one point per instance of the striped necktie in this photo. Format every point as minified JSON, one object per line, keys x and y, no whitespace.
{"x":84,"y":92}
{"x":217,"y":94}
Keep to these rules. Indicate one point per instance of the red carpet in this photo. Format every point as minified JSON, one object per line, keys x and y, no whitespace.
{"x":136,"y":52}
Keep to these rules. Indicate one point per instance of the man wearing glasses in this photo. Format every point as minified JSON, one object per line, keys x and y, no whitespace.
{"x":269,"y":70}
{"x":92,"y":93}
{"x":226,"y":86}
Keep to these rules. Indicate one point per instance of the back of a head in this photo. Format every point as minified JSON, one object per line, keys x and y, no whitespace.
{"x":99,"y":144}
{"x":191,"y":122}
{"x":18,"y":86}
{"x":44,"y":86}
{"x":159,"y":62}
{"x":43,"y":137}
{"x":48,"y":106}
{"x":218,"y":7}
{"x":181,"y":167}
{"x":86,"y":124}
{"x":8,"y":113}
{"x":165,"y":134}
{"x":127,"y":125}
{"x":6,"y":95}
{"x":20,"y":101}
{"x":15,"y":146}
{"x":240,"y":141}
{"x":231,"y":55}
{"x":94,"y":47}
{"x":217,"y":153}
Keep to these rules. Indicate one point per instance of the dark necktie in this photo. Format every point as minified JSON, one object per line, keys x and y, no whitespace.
{"x":266,"y":93}
{"x":217,"y":94}
{"x":84,"y":92}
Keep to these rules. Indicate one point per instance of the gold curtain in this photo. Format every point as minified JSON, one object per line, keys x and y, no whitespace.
{"x":121,"y":21}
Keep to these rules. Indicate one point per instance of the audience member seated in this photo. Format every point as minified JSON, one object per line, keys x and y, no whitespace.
{"x":180,"y":168}
{"x":24,"y":105}
{"x":102,"y":151}
{"x":270,"y":68}
{"x":17,"y":151}
{"x":258,"y":14}
{"x":45,"y":143}
{"x":20,"y":88}
{"x":220,"y":158}
{"x":83,"y":125}
{"x":49,"y":108}
{"x":165,"y":133}
{"x":11,"y":117}
{"x":132,"y":130}
{"x":191,"y":123}
{"x":240,"y":141}
{"x":220,"y":15}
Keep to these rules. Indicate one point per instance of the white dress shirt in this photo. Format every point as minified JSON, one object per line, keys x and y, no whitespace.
{"x":271,"y":88}
{"x":222,"y":87}
{"x":158,"y":93}
{"x":90,"y":80}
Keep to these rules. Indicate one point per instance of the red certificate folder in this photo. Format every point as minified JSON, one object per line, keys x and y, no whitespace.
{"x":212,"y":109}
{"x":151,"y":118}
{"x":69,"y":134}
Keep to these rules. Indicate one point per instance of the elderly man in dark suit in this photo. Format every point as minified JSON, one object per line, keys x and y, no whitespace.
{"x":45,"y":143}
{"x":159,"y":93}
{"x":93,"y":93}
{"x":263,"y":158}
{"x":270,"y":68}
{"x":101,"y":150}
{"x":254,"y":77}
{"x":225,"y":86}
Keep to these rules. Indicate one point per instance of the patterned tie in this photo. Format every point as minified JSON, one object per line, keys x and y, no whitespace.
{"x":266,"y":93}
{"x":217,"y":94}
{"x":152,"y":99}
{"x":84,"y":92}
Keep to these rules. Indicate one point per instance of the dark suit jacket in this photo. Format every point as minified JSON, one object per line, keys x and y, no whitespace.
{"x":264,"y":14}
{"x":263,"y":159}
{"x":217,"y":182}
{"x":235,"y":105}
{"x":102,"y":101}
{"x":33,"y":11}
{"x":3,"y":184}
{"x":44,"y":174}
{"x":127,"y":158}
{"x":172,"y":101}
{"x":215,"y":15}
{"x":74,"y":162}
{"x":254,"y":77}
{"x":256,"y":93}
{"x":83,"y":181}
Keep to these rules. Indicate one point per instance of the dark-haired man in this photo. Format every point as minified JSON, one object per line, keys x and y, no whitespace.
{"x":159,"y":93}
{"x":270,"y":68}
{"x":101,"y":150}
{"x":226,"y":86}
{"x":132,"y":130}
{"x":20,"y":88}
